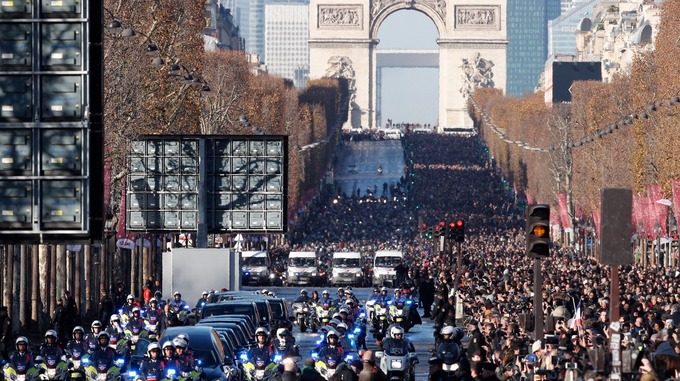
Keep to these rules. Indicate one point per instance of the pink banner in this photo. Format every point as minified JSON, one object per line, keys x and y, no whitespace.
{"x":637,"y":214}
{"x":660,"y":210}
{"x":562,"y":204}
{"x":121,"y":217}
{"x":597,"y":221}
{"x":676,"y":198}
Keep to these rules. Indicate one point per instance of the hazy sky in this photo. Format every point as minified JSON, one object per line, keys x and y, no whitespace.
{"x":409,"y":94}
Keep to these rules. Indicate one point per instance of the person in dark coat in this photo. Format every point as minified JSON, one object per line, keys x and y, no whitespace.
{"x":71,"y":311}
{"x":5,"y":333}
{"x":427,"y":294}
{"x":309,"y":373}
{"x":106,"y":307}
{"x":60,"y":320}
{"x":477,"y":343}
{"x":168,"y":319}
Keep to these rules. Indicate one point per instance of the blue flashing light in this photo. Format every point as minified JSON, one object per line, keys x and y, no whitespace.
{"x":350,"y":336}
{"x":132,"y":374}
{"x":357,"y":330}
{"x":315,"y":355}
{"x":278,"y":358}
{"x":362,"y":315}
{"x":171,"y":372}
{"x":244,"y":357}
{"x":199,"y":362}
{"x":409,"y":302}
{"x":86,"y":361}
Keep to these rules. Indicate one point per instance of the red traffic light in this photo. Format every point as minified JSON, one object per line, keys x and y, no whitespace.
{"x":460,"y":223}
{"x":452,"y":225}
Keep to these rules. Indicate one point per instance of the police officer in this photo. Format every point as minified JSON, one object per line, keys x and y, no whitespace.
{"x":263,"y":349}
{"x":332,"y":347}
{"x":151,"y":365}
{"x":91,"y":338}
{"x":78,"y":341}
{"x":21,"y":355}
{"x":50,"y":346}
{"x":104,"y":351}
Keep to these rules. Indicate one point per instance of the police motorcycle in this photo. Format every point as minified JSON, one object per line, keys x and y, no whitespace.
{"x":99,"y":370}
{"x":446,"y":364}
{"x":133,"y":334}
{"x":398,"y":357}
{"x":380,"y":320}
{"x":324,"y":314}
{"x":52,"y":366}
{"x":136,"y":356}
{"x":260,"y":368}
{"x":303,"y":316}
{"x":21,"y":369}
{"x":399,"y":313}
{"x":77,"y":362}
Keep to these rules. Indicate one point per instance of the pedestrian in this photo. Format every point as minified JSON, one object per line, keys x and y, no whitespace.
{"x":73,"y":319}
{"x":427,"y":294}
{"x":60,"y":320}
{"x":309,"y":373}
{"x":371,"y":371}
{"x":5,"y":333}
{"x":106,"y":307}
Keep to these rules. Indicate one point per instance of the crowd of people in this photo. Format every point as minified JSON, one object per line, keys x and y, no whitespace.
{"x":454,"y":178}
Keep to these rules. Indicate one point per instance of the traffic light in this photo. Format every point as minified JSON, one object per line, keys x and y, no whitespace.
{"x":538,"y":231}
{"x":429,"y":234}
{"x":440,"y":230}
{"x":459,"y":231}
{"x":426,"y":231}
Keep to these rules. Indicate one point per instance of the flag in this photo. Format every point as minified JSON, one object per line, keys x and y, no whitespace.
{"x":576,"y":322}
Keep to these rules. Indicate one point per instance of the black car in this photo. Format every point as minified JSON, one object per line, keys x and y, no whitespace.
{"x":208,"y":349}
{"x":236,"y":307}
{"x":242,"y":320}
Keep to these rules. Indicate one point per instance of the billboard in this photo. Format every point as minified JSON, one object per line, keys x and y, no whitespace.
{"x":51,"y":131}
{"x":229,"y":183}
{"x":561,"y":75}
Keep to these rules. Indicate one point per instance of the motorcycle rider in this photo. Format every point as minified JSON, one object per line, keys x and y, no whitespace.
{"x":187,"y":349}
{"x":21,"y":355}
{"x":202,"y":301}
{"x":136,"y":318}
{"x":341,"y":296}
{"x":91,"y":338}
{"x":186,"y":361}
{"x":325,"y":298}
{"x":383,"y":298}
{"x":263,"y":349}
{"x":129,"y":305}
{"x":376,"y":294}
{"x":115,"y":329}
{"x":343,"y":339}
{"x":159,"y":298}
{"x":50,"y":346}
{"x":350,"y":296}
{"x":78,"y":341}
{"x":285,"y":343}
{"x":448,"y":351}
{"x":151,"y":365}
{"x":303,"y":298}
{"x":177,"y":303}
{"x":104,"y":351}
{"x":169,"y":361}
{"x":332,"y":347}
{"x":346,"y":317}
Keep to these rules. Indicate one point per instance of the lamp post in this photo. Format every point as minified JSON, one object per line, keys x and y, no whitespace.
{"x":657,"y":250}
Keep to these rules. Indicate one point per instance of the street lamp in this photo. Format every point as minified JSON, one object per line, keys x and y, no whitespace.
{"x":657,"y":249}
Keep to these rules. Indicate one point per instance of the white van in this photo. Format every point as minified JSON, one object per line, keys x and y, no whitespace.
{"x":302,"y":268}
{"x":347,"y":269}
{"x":256,"y":267}
{"x":384,"y":264}
{"x":393,"y":134}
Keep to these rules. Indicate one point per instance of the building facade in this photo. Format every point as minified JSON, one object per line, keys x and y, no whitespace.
{"x":528,"y":42}
{"x":220,"y":30}
{"x":286,"y":34}
{"x":562,"y":30}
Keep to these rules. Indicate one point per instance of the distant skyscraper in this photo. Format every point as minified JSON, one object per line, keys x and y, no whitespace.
{"x":562,"y":30}
{"x":286,"y":34}
{"x":528,"y":42}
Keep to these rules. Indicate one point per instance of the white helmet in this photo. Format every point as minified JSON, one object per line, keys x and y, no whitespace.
{"x":448,"y":330}
{"x":178,"y":342}
{"x":114,"y":317}
{"x":281,"y":333}
{"x":396,"y":330}
{"x":261,"y":331}
{"x":151,"y":347}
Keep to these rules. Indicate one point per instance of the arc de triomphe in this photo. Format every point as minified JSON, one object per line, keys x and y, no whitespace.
{"x":472,"y":42}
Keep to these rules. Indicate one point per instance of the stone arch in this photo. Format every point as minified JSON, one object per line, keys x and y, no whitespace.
{"x":472,"y":50}
{"x":585,"y":25}
{"x":646,"y":34}
{"x":378,"y":18}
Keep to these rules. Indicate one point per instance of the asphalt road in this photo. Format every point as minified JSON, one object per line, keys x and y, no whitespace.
{"x":357,"y":166}
{"x":420,"y":335}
